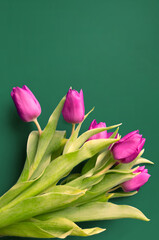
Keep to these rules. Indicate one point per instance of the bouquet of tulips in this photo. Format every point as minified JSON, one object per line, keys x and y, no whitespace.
{"x":48,"y":198}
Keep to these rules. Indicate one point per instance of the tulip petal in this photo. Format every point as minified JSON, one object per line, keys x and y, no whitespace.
{"x":128,"y":135}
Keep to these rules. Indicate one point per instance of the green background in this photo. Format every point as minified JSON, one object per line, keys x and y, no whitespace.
{"x":108,"y":48}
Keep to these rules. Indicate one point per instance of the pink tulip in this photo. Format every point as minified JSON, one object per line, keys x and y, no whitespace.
{"x":73,"y":109}
{"x":128,"y":147}
{"x":26,"y":103}
{"x":135,"y":183}
{"x":101,"y":135}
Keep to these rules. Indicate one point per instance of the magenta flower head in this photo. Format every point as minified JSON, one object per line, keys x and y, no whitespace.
{"x":73,"y":110}
{"x":135,"y":183}
{"x":26,"y":103}
{"x":128,"y":147}
{"x":101,"y":135}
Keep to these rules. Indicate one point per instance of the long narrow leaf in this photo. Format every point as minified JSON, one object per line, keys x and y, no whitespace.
{"x":85,"y":182}
{"x":32,"y":144}
{"x":56,"y":227}
{"x":14,"y":192}
{"x":30,"y":207}
{"x":74,"y":136}
{"x":99,"y":211}
{"x":53,"y":146}
{"x":62,"y":165}
{"x":123,"y":194}
{"x":84,"y":137}
{"x":47,"y":135}
{"x":142,"y":161}
{"x":109,"y":181}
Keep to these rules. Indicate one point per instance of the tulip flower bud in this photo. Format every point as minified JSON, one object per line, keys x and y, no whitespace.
{"x":128,"y":147}
{"x":26,"y":103}
{"x":73,"y":110}
{"x":101,"y":135}
{"x":135,"y":183}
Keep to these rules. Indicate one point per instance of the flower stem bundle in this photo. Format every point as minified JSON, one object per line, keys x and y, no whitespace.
{"x":49,"y":198}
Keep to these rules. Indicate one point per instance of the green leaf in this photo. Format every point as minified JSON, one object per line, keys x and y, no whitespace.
{"x":47,"y":135}
{"x":55,"y":227}
{"x":98,"y":162}
{"x":85,"y":182}
{"x":32,"y":144}
{"x":30,"y":207}
{"x":120,"y":171}
{"x":99,"y":211}
{"x":102,"y":160}
{"x":25,"y":172}
{"x":42,"y":166}
{"x":142,"y":160}
{"x":115,"y":133}
{"x":71,"y":177}
{"x":84,"y":137}
{"x":10,"y":196}
{"x":55,"y":142}
{"x":109,"y":181}
{"x":127,"y":166}
{"x":102,"y":198}
{"x":123,"y":194}
{"x":74,"y":136}
{"x":103,"y":184}
{"x":64,"y":164}
{"x":54,"y":146}
{"x":90,"y":164}
{"x":13,"y":192}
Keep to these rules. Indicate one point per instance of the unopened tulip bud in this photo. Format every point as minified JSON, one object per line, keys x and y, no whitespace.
{"x":73,"y":109}
{"x":26,"y":103}
{"x":135,"y":183}
{"x":101,"y":135}
{"x":128,"y":147}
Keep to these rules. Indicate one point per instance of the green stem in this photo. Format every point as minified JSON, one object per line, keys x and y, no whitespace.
{"x":37,"y":125}
{"x":73,"y":128}
{"x":113,"y":189}
{"x":103,"y":171}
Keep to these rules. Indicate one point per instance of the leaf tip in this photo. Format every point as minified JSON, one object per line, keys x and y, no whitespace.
{"x":144,"y":218}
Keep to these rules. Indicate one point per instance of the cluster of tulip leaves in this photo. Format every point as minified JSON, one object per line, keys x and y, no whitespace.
{"x":48,"y":200}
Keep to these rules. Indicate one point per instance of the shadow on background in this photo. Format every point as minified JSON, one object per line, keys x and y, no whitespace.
{"x":19,"y":132}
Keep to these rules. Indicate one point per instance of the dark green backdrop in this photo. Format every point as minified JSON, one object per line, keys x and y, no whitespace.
{"x":108,"y":48}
